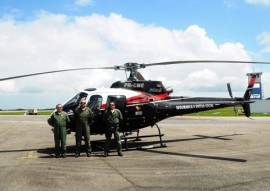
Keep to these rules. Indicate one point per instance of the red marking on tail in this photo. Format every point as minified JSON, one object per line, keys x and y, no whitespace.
{"x":252,"y":81}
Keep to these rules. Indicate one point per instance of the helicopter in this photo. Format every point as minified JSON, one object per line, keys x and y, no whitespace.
{"x":144,"y":103}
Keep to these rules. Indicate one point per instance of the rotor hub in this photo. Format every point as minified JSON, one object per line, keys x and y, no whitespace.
{"x":133,"y":66}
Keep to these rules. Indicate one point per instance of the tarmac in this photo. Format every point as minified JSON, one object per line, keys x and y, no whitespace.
{"x":202,"y":153}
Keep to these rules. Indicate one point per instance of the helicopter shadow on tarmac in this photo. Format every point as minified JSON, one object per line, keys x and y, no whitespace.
{"x":144,"y":146}
{"x":197,"y":137}
{"x":151,"y":147}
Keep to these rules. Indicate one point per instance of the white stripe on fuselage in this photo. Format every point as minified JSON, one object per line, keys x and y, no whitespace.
{"x":105,"y":92}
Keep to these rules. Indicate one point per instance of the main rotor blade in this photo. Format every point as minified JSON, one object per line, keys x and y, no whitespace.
{"x":203,"y":61}
{"x":55,"y":71}
{"x":136,"y":66}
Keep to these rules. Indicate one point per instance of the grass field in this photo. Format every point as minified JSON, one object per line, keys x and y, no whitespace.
{"x":41,"y":112}
{"x":229,"y":111}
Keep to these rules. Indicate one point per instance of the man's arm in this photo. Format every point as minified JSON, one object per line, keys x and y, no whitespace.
{"x":68,"y":120}
{"x":50,"y":120}
{"x":91,"y":113}
{"x":120,"y":115}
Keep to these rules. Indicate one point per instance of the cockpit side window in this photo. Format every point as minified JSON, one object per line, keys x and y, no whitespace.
{"x":95,"y":102}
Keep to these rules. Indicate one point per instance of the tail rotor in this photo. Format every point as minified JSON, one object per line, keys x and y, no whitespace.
{"x":231,"y":95}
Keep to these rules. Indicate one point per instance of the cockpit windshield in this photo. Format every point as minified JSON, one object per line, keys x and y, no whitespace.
{"x":73,"y":102}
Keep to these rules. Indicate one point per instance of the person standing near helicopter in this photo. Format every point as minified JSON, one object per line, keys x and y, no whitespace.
{"x":59,"y":120}
{"x":112,"y":117}
{"x":83,"y":116}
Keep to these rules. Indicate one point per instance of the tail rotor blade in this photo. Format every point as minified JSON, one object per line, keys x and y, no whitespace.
{"x":229,"y":90}
{"x":231,"y":95}
{"x":235,"y":109}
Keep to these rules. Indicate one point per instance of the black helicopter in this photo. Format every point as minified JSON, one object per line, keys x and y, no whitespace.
{"x":145,"y":103}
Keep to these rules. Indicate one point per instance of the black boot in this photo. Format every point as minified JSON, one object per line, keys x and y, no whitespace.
{"x":77,"y":154}
{"x":120,"y":154}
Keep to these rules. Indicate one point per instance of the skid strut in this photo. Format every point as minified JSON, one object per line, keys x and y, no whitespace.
{"x":138,"y":138}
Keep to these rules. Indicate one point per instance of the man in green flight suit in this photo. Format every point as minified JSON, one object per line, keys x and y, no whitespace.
{"x":112,"y":117}
{"x":59,"y":120}
{"x":83,"y":116}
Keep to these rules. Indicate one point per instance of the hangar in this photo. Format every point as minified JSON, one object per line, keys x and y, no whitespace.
{"x":261,"y":105}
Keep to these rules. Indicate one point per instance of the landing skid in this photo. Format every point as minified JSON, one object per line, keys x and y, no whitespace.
{"x":126,"y":138}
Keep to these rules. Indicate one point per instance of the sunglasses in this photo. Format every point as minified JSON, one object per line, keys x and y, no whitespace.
{"x":111,"y":104}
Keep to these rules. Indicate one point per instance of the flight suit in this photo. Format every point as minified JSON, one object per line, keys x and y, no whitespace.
{"x":112,"y":121}
{"x":59,"y":121}
{"x":83,"y":118}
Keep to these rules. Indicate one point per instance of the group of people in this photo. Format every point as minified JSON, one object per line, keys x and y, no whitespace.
{"x":83,"y":116}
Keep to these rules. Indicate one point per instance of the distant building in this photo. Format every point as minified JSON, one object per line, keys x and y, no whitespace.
{"x":260,"y":106}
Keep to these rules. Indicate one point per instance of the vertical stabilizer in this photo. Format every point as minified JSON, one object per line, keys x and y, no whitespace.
{"x":247,"y":95}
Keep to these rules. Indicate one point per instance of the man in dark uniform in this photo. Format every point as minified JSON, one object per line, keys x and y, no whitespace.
{"x":112,"y":117}
{"x":59,"y":120}
{"x":83,"y":117}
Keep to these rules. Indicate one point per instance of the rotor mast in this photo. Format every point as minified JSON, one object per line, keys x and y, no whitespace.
{"x":132,"y":68}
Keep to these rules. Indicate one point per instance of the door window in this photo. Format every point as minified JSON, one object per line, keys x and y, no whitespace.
{"x":95,"y":102}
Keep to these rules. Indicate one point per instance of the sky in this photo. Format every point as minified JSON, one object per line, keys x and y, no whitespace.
{"x":45,"y":35}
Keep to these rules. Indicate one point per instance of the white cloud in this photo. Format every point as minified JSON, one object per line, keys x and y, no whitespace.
{"x":7,"y":87}
{"x":83,"y":3}
{"x":265,"y":83}
{"x":78,"y":4}
{"x":53,"y":42}
{"x":264,"y":38}
{"x":258,"y":2}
